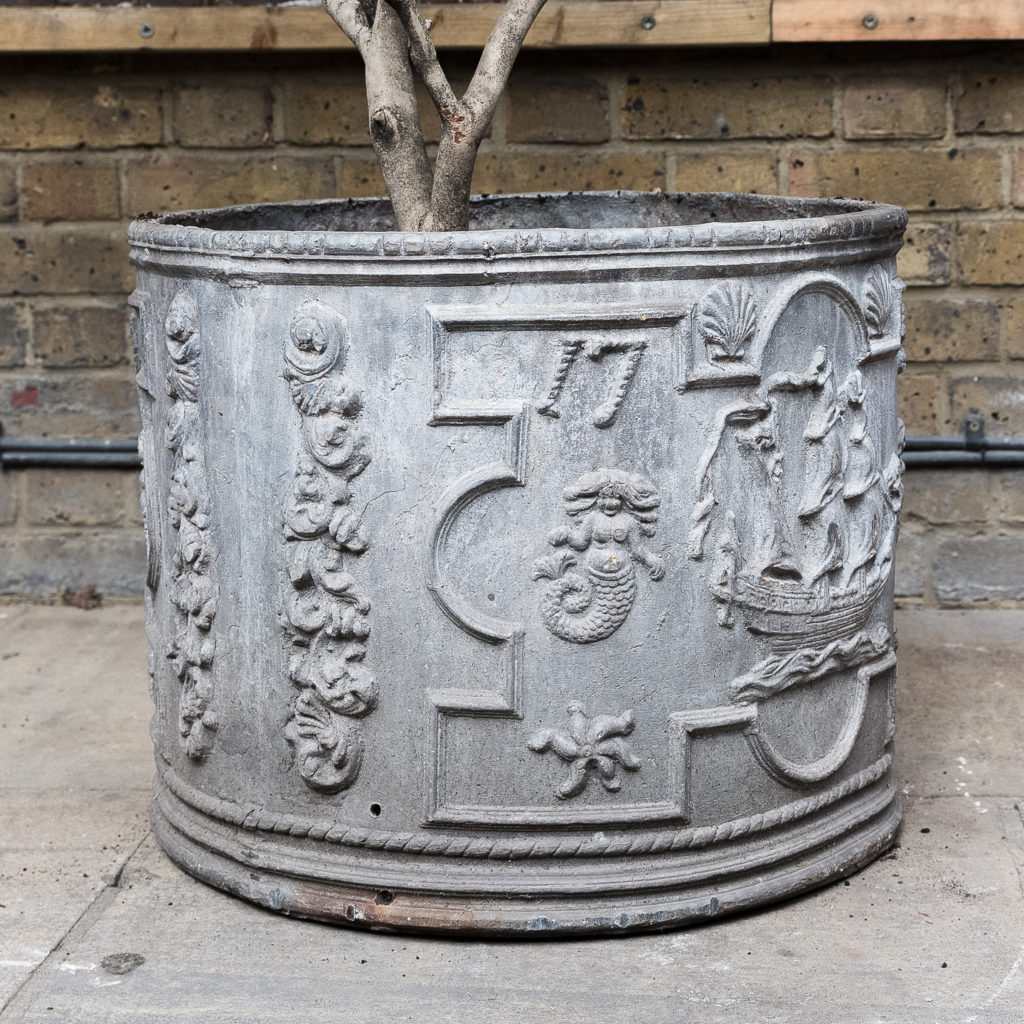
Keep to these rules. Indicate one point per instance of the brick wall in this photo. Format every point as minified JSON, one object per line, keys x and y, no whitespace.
{"x":85,"y":144}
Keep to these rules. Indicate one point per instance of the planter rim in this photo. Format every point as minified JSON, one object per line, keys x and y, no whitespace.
{"x":772,"y":222}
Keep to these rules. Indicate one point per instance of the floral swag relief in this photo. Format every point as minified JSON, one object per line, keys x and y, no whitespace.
{"x":612,"y":512}
{"x":326,"y":614}
{"x":192,"y":591}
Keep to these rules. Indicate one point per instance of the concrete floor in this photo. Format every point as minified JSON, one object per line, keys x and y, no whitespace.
{"x":96,"y":925}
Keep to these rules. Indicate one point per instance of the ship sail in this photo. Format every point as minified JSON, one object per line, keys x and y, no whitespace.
{"x":861,"y":490}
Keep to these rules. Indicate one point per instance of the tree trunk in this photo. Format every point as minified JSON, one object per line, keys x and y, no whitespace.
{"x":394,"y":42}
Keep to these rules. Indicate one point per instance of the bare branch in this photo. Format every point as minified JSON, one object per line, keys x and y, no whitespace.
{"x":352,"y":20}
{"x":499,"y":55}
{"x":393,"y":38}
{"x":456,"y":154}
{"x":424,"y":57}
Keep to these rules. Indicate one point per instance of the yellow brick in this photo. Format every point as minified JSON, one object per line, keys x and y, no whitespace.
{"x":992,"y":253}
{"x":360,"y":176}
{"x":1013,"y":327}
{"x":682,"y":107}
{"x":924,"y":258}
{"x":1017,"y":183}
{"x":69,"y":497}
{"x":326,"y":109}
{"x":991,"y":103}
{"x":41,"y":261}
{"x":79,"y":336}
{"x":162,"y":183}
{"x":71,"y":404}
{"x":917,"y":396}
{"x":557,"y":172}
{"x":942,"y":330}
{"x":69,"y":190}
{"x":921,"y":179}
{"x":900,"y":108}
{"x":569,"y":109}
{"x":13,"y":335}
{"x":725,"y":170}
{"x":999,"y":398}
{"x":75,"y":111}
{"x":222,"y":115}
{"x":8,"y":194}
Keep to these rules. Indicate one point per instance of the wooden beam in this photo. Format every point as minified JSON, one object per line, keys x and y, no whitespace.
{"x":563,"y":23}
{"x":874,"y":21}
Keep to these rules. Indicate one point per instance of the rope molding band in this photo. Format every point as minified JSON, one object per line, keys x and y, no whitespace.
{"x":668,"y":841}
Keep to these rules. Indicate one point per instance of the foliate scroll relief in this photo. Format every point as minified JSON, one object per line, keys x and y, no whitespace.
{"x":725,"y":318}
{"x":589,"y":745}
{"x":611,"y":512}
{"x":192,"y":590}
{"x":326,"y":614}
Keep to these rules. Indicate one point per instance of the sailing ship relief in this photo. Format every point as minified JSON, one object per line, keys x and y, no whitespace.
{"x":799,"y":548}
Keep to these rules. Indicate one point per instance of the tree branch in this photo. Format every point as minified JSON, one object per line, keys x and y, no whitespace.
{"x":503,"y":46}
{"x":391,"y":98}
{"x":456,"y":154}
{"x":424,"y":57}
{"x":352,"y":20}
{"x":393,"y":38}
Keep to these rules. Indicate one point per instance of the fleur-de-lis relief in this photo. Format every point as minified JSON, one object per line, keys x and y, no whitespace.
{"x":589,"y":746}
{"x":879,"y":302}
{"x":726,"y":319}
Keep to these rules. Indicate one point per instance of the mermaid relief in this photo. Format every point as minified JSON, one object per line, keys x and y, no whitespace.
{"x":593,"y":579}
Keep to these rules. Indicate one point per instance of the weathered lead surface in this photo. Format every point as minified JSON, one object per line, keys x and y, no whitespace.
{"x":532,"y":578}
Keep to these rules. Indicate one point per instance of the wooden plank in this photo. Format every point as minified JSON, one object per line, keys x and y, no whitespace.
{"x":806,"y":21}
{"x":563,"y":23}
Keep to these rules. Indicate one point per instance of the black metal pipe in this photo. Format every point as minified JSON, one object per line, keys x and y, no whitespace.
{"x":922,"y":452}
{"x":18,"y":453}
{"x":939,"y":443}
{"x":70,"y":460}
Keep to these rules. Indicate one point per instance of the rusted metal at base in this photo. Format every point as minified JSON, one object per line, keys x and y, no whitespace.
{"x":490,"y":915}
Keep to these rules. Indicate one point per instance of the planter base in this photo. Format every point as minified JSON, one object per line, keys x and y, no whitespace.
{"x":268,"y":869}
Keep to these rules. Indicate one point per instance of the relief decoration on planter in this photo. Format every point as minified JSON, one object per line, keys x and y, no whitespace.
{"x":192,"y":590}
{"x":882,"y":303}
{"x":326,"y":614}
{"x":807,"y":575}
{"x":596,"y":349}
{"x":589,"y":745}
{"x":726,"y":320}
{"x":611,"y":512}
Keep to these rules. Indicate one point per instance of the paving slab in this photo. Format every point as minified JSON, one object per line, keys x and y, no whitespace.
{"x":75,"y":769}
{"x":60,"y":850}
{"x":74,"y":704}
{"x":931,"y":934}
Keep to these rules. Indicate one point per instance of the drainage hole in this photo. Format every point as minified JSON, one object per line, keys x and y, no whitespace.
{"x":385,"y":896}
{"x":375,"y":810}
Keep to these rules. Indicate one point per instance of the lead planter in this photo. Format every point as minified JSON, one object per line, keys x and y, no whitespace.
{"x":534,"y":578}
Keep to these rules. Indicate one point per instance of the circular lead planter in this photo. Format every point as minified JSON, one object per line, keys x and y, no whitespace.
{"x":535,"y":578}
